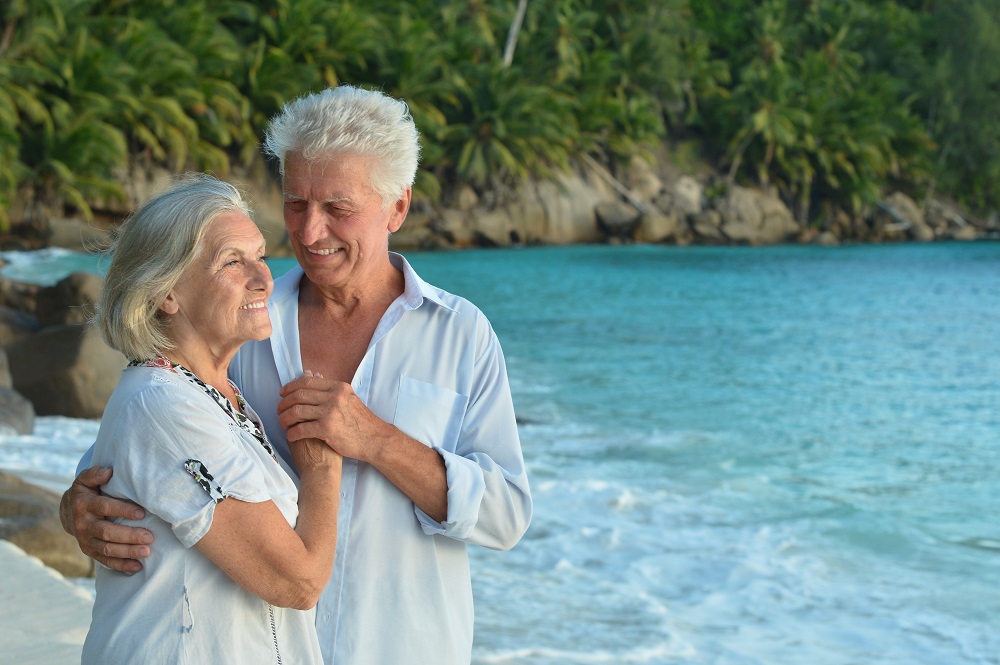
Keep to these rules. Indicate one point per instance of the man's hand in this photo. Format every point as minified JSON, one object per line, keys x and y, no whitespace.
{"x":83,"y":512}
{"x":320,"y":408}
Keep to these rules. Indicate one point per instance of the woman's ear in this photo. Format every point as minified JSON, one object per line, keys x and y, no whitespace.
{"x":169,"y":305}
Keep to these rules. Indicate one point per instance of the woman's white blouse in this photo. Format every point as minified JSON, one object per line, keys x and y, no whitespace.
{"x":181,"y":608}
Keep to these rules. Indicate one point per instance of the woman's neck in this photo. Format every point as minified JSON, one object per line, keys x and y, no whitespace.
{"x":207,"y":367}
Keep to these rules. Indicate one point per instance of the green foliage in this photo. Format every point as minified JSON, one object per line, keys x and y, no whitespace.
{"x":805,"y":110}
{"x":960,"y":94}
{"x":828,"y":100}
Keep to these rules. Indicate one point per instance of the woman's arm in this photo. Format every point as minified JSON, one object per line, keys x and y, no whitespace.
{"x":255,"y":546}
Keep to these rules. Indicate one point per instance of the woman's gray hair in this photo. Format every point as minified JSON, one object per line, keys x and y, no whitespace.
{"x":350,"y":121}
{"x":153,"y":248}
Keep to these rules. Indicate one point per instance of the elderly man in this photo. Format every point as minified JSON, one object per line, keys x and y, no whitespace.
{"x":410,"y":387}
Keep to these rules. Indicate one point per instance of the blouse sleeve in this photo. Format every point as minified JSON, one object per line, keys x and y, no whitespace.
{"x":177,"y":456}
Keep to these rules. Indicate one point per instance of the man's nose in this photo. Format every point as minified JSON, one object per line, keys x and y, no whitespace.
{"x":313,"y":225}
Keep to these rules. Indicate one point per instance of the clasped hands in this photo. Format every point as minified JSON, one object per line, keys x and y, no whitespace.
{"x":314,"y":407}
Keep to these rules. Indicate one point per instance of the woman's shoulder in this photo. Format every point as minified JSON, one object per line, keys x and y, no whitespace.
{"x":145,"y":390}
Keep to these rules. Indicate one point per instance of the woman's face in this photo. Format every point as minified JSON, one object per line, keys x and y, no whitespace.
{"x":221,"y":300}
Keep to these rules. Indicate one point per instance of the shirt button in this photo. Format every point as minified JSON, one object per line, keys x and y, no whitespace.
{"x":326,"y":617}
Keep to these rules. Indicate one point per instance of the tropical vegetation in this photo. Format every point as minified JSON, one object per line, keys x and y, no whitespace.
{"x":827,"y":101}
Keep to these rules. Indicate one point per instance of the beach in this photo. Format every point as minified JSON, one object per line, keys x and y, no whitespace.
{"x":44,"y":616}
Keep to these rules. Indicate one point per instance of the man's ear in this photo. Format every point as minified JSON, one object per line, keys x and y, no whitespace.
{"x":170,"y":304}
{"x":399,"y":210}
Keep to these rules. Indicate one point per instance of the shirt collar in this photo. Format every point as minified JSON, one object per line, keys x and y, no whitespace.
{"x":415,"y":290}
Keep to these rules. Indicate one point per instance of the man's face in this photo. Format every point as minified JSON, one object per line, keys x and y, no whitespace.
{"x":335,"y":220}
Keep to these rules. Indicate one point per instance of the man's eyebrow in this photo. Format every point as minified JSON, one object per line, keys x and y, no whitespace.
{"x":332,"y":199}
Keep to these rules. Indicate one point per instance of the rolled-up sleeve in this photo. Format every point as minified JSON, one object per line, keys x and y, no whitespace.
{"x":489,"y":502}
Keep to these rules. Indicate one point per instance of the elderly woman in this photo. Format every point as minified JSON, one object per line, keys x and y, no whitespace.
{"x":236,"y":541}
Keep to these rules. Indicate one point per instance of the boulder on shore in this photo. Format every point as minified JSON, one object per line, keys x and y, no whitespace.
{"x":17,"y":414}
{"x":71,"y":300}
{"x":66,"y":371}
{"x":16,"y":325}
{"x":29,"y":518}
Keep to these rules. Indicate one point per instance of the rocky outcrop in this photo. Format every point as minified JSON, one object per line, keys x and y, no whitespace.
{"x":66,"y":370}
{"x":51,"y":362}
{"x":751,"y":217}
{"x":585,"y":205}
{"x":29,"y":518}
{"x":71,"y":300}
{"x":15,"y":325}
{"x":17,"y":415}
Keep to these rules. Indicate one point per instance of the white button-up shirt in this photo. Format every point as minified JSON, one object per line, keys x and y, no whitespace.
{"x":401,"y":590}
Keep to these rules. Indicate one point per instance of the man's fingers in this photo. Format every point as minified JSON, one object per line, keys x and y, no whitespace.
{"x":316,"y":382}
{"x":307,"y":397}
{"x":118,"y":547}
{"x":299,"y":413}
{"x":106,"y":550}
{"x":121,"y":565}
{"x":108,"y":507}
{"x":117,"y":536}
{"x":93,"y":478}
{"x":307,"y":430}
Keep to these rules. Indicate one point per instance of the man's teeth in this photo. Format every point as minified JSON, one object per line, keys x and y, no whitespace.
{"x":322,"y":252}
{"x":254,"y":305}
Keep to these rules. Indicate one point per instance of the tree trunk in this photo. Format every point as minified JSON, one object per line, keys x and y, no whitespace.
{"x":515,"y":30}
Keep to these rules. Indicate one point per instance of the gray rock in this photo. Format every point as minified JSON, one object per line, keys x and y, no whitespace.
{"x":71,"y":300}
{"x":16,"y":325}
{"x":826,"y":239}
{"x":66,"y":371}
{"x":964,"y":233}
{"x":17,"y":415}
{"x":656,"y":226}
{"x":752,"y":217}
{"x":642,"y":179}
{"x":78,"y":235}
{"x":19,"y":295}
{"x":705,"y":225}
{"x":616,"y":219}
{"x":5,"y":379}
{"x":29,"y":518}
{"x":687,"y":195}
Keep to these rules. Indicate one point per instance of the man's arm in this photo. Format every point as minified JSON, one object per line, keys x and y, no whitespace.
{"x":84,"y":514}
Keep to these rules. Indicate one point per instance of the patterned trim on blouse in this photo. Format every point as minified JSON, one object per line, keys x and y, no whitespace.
{"x":238,"y":416}
{"x":204,"y":478}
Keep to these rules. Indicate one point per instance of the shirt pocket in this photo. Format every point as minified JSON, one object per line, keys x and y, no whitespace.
{"x":430,"y":413}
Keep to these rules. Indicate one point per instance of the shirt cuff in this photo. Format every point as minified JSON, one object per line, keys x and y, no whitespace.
{"x":466,"y":487}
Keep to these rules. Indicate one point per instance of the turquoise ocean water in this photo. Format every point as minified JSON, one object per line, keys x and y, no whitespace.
{"x":783,"y":455}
